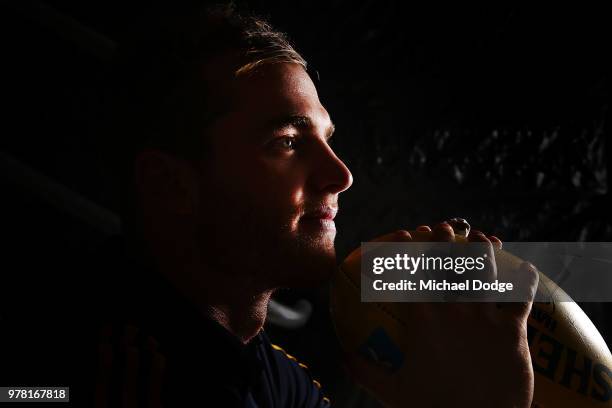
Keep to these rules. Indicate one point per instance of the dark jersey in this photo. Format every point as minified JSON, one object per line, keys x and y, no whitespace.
{"x":217,"y":371}
{"x":126,"y":338}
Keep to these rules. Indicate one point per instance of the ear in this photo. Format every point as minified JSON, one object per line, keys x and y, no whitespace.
{"x":165,"y":182}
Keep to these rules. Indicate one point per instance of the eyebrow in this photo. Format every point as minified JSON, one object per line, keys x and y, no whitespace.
{"x":299,"y":122}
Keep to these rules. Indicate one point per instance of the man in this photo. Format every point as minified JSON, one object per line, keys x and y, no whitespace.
{"x":231,"y":194}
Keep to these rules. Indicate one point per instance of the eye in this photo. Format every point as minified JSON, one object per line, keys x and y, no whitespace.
{"x":286,"y":142}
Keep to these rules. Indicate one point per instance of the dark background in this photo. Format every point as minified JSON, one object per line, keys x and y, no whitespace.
{"x":498,"y":114}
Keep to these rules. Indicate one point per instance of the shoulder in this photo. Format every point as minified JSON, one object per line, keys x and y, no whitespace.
{"x":291,"y":378}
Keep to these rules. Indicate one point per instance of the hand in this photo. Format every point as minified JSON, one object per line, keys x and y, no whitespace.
{"x":459,"y":354}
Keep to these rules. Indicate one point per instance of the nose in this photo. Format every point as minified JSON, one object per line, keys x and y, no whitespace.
{"x":330,"y":174}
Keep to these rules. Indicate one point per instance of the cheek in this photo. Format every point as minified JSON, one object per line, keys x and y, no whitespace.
{"x":275,"y":181}
{"x":259,"y":184}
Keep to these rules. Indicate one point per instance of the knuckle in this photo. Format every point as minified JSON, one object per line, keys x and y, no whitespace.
{"x":531,"y":274}
{"x":403,"y":234}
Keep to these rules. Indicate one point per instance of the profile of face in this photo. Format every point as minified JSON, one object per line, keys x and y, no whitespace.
{"x":269,"y":190}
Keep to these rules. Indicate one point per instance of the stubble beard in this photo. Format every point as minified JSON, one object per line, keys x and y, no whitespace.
{"x":266,"y":253}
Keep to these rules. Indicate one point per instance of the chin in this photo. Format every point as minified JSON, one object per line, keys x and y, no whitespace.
{"x":312,"y":265}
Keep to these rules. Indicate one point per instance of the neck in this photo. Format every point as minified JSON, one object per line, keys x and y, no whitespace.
{"x":243,"y":319}
{"x":235,"y":302}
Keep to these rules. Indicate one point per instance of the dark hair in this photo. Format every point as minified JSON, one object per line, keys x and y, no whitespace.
{"x":160,"y":97}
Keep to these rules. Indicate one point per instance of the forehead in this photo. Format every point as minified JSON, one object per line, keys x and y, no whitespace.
{"x":273,"y":91}
{"x":284,"y":83}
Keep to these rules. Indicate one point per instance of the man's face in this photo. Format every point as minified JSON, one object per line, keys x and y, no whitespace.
{"x":270,"y":188}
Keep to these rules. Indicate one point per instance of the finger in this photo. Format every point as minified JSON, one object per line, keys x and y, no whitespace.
{"x":396,"y":236}
{"x":460,"y":226}
{"x":354,"y":258}
{"x":478,"y":236}
{"x":526,"y":287}
{"x":422,"y":234}
{"x":443,"y":232}
{"x":497,"y":243}
{"x":482,"y":246}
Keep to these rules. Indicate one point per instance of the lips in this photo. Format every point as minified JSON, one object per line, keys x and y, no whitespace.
{"x":321,"y":213}
{"x":320,"y":219}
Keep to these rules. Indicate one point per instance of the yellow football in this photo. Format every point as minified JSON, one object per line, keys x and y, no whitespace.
{"x":571,"y":360}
